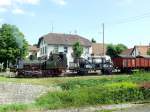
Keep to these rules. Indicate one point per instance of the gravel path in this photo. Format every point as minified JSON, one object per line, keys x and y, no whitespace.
{"x":96,"y":108}
{"x":20,"y":93}
{"x":139,"y":108}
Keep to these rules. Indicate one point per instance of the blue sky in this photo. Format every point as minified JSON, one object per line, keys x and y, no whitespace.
{"x":126,"y":21}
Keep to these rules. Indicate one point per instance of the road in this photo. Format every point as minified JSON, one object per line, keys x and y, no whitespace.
{"x":139,"y":108}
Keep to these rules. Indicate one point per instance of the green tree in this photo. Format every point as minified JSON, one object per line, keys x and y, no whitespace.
{"x":12,"y":44}
{"x":111,"y":51}
{"x":93,"y":40}
{"x":115,"y":50}
{"x":148,"y":52}
{"x":77,"y":50}
{"x":120,"y":48}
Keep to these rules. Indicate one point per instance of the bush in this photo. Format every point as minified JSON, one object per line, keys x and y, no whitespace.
{"x":108,"y":94}
{"x":76,"y":84}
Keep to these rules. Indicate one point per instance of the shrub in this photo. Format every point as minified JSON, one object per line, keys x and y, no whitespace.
{"x":76,"y":84}
{"x":145,"y":88}
{"x":111,"y":93}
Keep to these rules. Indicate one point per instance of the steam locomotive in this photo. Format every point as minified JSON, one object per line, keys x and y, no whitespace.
{"x":55,"y":65}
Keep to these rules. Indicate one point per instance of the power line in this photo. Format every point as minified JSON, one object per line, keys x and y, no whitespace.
{"x":130,"y":19}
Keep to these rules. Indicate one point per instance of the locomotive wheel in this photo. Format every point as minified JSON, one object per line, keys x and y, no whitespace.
{"x":82,"y":72}
{"x":106,"y":71}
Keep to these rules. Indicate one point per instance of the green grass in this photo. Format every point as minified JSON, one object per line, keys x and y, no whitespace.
{"x":135,"y":78}
{"x":84,"y":91}
{"x":115,"y":93}
{"x":84,"y":80}
{"x":47,"y":81}
{"x":13,"y":108}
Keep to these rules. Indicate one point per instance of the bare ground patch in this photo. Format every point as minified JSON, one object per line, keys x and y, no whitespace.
{"x":21,"y":93}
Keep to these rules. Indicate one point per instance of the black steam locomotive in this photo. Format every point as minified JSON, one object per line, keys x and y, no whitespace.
{"x":55,"y":65}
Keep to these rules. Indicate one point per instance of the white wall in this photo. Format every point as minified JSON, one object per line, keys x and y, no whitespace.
{"x":87,"y":51}
{"x":135,"y":52}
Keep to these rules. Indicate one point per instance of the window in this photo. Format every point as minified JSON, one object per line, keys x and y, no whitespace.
{"x":56,"y":49}
{"x":86,"y":50}
{"x":66,"y":49}
{"x":45,"y":50}
{"x":41,"y":51}
{"x":43,"y":42}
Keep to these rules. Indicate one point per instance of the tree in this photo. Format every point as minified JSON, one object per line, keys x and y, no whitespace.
{"x":77,"y":50}
{"x":120,"y":48}
{"x":12,"y":44}
{"x":111,"y":51}
{"x":93,"y":40}
{"x":115,"y":50}
{"x":148,"y":52}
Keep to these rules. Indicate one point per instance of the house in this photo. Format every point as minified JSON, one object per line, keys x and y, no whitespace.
{"x":55,"y":42}
{"x":127,"y":52}
{"x":97,"y":49}
{"x":33,"y":50}
{"x":140,"y":50}
{"x":137,"y":51}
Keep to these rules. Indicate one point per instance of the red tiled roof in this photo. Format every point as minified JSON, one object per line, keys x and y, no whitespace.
{"x":143,"y":49}
{"x":64,"y":39}
{"x":97,"y":49}
{"x":33,"y":48}
{"x":127,"y":52}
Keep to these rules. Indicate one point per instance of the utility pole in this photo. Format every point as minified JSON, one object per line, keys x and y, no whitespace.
{"x":52,"y":28}
{"x":103,"y":39}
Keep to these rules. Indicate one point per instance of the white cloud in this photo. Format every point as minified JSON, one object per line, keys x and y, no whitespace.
{"x":5,"y":3}
{"x":59,"y":2}
{"x":11,"y":3}
{"x":13,"y":6}
{"x":18,"y":11}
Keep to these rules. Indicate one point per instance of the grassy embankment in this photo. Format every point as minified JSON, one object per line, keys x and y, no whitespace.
{"x":85,"y":91}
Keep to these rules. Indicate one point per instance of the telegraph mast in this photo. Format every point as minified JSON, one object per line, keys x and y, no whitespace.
{"x":103,"y":39}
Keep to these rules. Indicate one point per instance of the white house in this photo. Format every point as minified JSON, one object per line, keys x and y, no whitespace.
{"x":54,"y":43}
{"x":141,"y":50}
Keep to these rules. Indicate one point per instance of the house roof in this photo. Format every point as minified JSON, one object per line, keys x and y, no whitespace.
{"x":142,"y":49}
{"x":126,"y":56}
{"x":127,"y":52}
{"x":64,"y":39}
{"x":97,"y":49}
{"x":33,"y":48}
